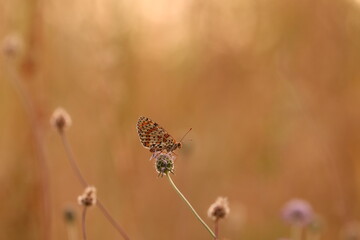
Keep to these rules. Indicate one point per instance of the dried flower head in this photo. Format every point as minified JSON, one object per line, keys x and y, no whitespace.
{"x":351,"y":231}
{"x":297,"y":212}
{"x":88,"y":198}
{"x":69,"y":215}
{"x":12,"y":45}
{"x":164,"y":163}
{"x":60,"y":119}
{"x":219,"y":209}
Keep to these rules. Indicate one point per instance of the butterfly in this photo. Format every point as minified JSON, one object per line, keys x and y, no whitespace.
{"x":154,"y":137}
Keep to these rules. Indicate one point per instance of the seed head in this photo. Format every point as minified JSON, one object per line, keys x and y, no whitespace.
{"x":88,"y":198}
{"x":297,"y":212}
{"x":164,"y":163}
{"x":60,"y":119}
{"x":219,"y":209}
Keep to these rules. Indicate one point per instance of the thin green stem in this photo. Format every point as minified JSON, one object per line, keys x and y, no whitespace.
{"x":192,"y":209}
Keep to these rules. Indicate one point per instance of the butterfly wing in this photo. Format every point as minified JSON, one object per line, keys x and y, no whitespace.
{"x":152,"y":136}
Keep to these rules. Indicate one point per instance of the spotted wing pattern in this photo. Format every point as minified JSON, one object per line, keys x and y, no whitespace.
{"x":153,"y":136}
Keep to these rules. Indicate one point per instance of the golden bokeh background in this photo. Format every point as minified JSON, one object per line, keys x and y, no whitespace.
{"x":270,"y":88}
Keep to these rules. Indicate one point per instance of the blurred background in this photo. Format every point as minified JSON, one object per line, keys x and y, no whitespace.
{"x":270,"y":88}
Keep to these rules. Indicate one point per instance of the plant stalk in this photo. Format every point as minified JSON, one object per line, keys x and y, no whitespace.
{"x":83,"y":222}
{"x":191,"y":207}
{"x":83,"y":181}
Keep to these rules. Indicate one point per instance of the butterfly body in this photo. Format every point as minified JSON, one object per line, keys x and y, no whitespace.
{"x":154,"y":137}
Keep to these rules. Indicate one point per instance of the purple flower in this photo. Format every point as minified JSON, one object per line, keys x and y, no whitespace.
{"x":297,"y":212}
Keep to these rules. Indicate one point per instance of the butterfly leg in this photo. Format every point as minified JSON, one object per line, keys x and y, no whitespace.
{"x":154,"y":155}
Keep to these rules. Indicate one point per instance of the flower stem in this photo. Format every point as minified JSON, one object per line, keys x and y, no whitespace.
{"x":188,"y":203}
{"x":216,"y":229}
{"x":111,"y":220}
{"x":37,"y":134}
{"x":83,"y":223}
{"x":76,"y":169}
{"x":71,"y":231}
{"x":311,"y":235}
{"x":71,"y":158}
{"x":296,"y":232}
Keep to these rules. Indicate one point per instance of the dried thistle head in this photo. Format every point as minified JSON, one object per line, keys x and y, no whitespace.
{"x":164,"y":163}
{"x":88,"y":198}
{"x":219,"y":209}
{"x":60,"y":119}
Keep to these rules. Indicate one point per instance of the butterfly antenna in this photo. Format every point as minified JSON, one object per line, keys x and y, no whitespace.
{"x":185,"y":134}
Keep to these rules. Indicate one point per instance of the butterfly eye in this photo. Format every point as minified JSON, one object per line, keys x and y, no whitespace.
{"x":179,"y":145}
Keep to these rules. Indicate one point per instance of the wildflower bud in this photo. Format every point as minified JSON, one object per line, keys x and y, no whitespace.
{"x":219,"y":209}
{"x":164,"y":163}
{"x":60,"y":119}
{"x":297,"y":212}
{"x":12,"y":46}
{"x":88,"y":198}
{"x":69,"y":215}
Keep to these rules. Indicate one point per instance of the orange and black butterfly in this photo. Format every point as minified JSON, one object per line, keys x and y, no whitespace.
{"x":154,"y":137}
